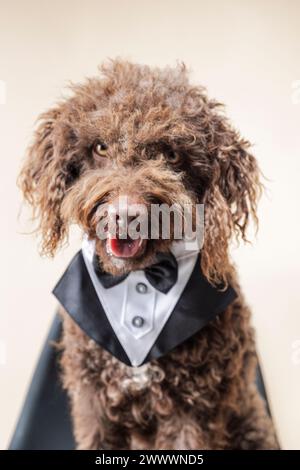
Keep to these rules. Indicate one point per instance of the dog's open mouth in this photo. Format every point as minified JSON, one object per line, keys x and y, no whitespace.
{"x":125,"y":247}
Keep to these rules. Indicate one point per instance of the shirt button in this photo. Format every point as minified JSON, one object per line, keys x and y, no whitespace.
{"x":141,"y":288}
{"x":138,"y":321}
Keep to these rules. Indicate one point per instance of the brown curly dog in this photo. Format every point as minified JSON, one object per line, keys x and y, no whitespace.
{"x":148,"y":133}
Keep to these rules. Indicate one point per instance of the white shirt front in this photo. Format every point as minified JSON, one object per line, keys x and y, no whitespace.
{"x":125,"y":303}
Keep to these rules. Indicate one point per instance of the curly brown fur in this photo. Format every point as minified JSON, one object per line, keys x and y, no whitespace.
{"x":166,"y":142}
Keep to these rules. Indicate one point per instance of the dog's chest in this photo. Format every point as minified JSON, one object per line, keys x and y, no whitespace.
{"x":137,"y":379}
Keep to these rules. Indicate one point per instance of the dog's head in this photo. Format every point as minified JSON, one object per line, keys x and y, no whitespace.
{"x":147,"y":135}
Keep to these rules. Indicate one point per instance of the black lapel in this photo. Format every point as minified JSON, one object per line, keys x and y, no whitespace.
{"x":76,"y":293}
{"x":199,"y":303}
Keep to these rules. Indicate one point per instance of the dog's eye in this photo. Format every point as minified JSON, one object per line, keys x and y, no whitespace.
{"x":99,"y":148}
{"x":172,"y":156}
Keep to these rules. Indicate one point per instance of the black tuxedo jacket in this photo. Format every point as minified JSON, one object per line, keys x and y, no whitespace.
{"x":44,"y":422}
{"x":199,"y":303}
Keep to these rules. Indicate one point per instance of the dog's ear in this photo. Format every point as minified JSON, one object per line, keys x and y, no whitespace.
{"x":230,"y":198}
{"x":48,"y":170}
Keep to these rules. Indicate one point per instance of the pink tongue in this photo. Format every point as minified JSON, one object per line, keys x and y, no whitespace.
{"x":123,"y":248}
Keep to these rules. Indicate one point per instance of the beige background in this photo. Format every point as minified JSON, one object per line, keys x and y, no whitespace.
{"x":247,"y":54}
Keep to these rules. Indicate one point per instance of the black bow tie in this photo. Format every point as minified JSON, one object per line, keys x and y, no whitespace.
{"x":162,"y":275}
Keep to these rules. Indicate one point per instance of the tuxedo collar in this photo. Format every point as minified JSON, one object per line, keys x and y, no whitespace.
{"x":198,"y":303}
{"x":162,"y":274}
